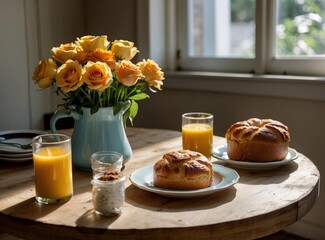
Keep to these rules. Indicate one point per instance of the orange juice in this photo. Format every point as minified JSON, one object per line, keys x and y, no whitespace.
{"x":198,"y":137}
{"x":53,"y":172}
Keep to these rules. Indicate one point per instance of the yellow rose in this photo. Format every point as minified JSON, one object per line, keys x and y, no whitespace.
{"x":69,"y":76}
{"x":124,"y":49}
{"x":65,"y":52}
{"x":128,"y":73}
{"x":97,"y":75}
{"x":152,"y":73}
{"x":103,"y":56}
{"x":90,"y":43}
{"x":44,"y":73}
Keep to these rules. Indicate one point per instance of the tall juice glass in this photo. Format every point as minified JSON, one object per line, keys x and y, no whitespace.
{"x":52,"y":168}
{"x":197,"y":132}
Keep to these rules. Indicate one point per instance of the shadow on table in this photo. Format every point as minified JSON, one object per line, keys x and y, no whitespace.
{"x":92,"y":223}
{"x":265,"y":177}
{"x":31,"y":209}
{"x":151,"y":201}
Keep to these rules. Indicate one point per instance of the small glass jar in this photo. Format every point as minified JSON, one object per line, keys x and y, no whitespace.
{"x":108,"y":193}
{"x":104,"y":161}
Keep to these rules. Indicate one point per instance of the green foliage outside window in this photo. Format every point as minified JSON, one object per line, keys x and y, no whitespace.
{"x":300,"y":27}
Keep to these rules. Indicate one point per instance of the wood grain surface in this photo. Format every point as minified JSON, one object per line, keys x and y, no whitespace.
{"x":261,"y":203}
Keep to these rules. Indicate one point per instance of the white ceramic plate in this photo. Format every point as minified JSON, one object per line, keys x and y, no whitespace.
{"x":220,"y":153}
{"x":224,"y":178}
{"x":17,"y":136}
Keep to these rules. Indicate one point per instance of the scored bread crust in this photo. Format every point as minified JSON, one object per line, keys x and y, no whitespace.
{"x":183,"y":170}
{"x":258,"y":140}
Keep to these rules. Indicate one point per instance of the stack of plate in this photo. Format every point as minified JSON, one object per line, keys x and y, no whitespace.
{"x":13,"y":153}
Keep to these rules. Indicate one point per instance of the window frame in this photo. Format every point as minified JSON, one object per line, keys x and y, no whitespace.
{"x":303,"y":87}
{"x":188,"y":63}
{"x":264,"y":62}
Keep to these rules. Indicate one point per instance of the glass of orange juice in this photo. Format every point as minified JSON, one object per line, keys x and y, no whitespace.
{"x":52,"y":168}
{"x":197,"y":132}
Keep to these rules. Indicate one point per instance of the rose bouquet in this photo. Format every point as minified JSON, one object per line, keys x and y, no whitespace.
{"x":93,"y":72}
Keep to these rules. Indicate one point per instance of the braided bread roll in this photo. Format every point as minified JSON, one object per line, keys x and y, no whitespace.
{"x":258,"y":140}
{"x":183,"y":170}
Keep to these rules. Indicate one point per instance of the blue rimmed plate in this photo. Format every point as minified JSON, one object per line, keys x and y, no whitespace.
{"x":224,"y":178}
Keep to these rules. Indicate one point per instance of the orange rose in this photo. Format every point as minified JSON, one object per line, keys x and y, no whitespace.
{"x":98,"y":75}
{"x":152,"y":73}
{"x":104,"y":56}
{"x":44,"y":73}
{"x":124,"y":49}
{"x":81,"y":56}
{"x":128,"y":73}
{"x":90,"y":43}
{"x":68,"y":76}
{"x":65,"y":52}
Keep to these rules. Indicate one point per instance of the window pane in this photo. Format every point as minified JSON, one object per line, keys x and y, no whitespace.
{"x":300,"y":28}
{"x":222,"y":28}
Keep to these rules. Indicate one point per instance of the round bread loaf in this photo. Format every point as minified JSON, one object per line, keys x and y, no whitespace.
{"x":258,"y":140}
{"x":183,"y":170}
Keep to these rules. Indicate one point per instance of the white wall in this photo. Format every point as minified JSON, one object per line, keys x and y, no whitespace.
{"x":29,"y":29}
{"x":116,"y":19}
{"x":14,"y":72}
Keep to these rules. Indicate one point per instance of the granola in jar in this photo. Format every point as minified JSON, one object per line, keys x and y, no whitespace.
{"x":108,"y":193}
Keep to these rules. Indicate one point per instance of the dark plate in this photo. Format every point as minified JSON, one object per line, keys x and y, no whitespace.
{"x":17,"y":136}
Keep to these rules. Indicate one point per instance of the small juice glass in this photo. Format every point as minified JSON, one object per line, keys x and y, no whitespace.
{"x":197,"y":132}
{"x":52,"y":168}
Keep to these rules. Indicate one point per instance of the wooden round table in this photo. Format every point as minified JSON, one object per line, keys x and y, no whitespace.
{"x":261,"y":203}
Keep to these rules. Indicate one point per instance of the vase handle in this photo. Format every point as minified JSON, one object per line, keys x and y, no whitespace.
{"x":125,"y":106}
{"x":62,"y":114}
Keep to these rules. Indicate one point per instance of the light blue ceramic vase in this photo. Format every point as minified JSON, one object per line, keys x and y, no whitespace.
{"x":101,"y":131}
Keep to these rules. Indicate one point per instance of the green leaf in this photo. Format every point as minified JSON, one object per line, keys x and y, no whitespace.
{"x":139,"y":96}
{"x":94,"y":109}
{"x":133,"y":111}
{"x":117,"y":108}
